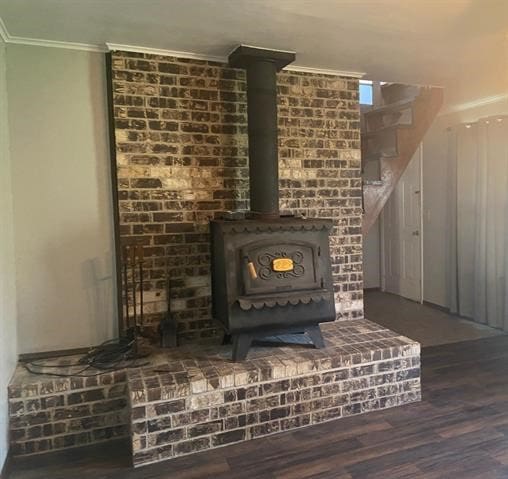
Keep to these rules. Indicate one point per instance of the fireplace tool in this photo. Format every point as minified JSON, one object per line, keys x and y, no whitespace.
{"x":133,"y":269}
{"x":168,"y":326}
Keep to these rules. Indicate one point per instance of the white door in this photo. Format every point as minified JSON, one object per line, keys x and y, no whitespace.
{"x":402,"y":235}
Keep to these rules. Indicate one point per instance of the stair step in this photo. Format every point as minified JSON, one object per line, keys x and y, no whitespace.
{"x":393,"y":92}
{"x":403,"y":118}
{"x":396,"y":106}
{"x":381,"y":145}
{"x":376,"y":156}
{"x":386,"y":142}
{"x":384,"y":130}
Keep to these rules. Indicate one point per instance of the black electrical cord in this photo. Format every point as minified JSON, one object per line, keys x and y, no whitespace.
{"x":61,"y":375}
{"x":110,"y":356}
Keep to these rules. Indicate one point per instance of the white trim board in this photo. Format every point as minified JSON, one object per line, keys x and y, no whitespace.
{"x":3,"y":31}
{"x":36,"y":42}
{"x":39,"y":42}
{"x":422,"y":232}
{"x":324,"y":71}
{"x":112,"y":47}
{"x":224,"y":59}
{"x":489,"y":100}
{"x":107,"y":47}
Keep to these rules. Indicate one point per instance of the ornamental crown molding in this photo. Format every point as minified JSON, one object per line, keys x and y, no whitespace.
{"x":108,"y":47}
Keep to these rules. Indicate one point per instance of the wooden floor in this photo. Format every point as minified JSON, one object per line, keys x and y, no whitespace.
{"x":426,"y":324}
{"x":460,"y":430}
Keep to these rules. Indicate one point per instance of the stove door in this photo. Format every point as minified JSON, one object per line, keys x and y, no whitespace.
{"x":277,"y":266}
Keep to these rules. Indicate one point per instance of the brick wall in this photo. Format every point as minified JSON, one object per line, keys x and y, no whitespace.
{"x":181,"y":143}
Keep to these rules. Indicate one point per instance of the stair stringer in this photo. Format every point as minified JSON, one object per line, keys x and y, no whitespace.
{"x":425,"y":108}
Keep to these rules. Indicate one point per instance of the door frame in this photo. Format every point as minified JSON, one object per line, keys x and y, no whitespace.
{"x":382,"y":235}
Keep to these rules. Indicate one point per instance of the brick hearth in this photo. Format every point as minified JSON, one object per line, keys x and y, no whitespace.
{"x":48,"y":413}
{"x":194,"y":398}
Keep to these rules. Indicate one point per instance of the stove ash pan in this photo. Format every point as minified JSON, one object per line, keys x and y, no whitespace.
{"x":271,"y":277}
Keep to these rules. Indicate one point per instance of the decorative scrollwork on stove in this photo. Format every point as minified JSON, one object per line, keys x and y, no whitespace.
{"x":265,"y":273}
{"x":297,"y":257}
{"x":298,"y":270}
{"x":265,"y":259}
{"x":265,"y":262}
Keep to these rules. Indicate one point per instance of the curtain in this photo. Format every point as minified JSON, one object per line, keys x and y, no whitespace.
{"x":477,"y":209}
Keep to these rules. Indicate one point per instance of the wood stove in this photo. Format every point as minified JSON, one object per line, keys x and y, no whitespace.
{"x":271,"y":275}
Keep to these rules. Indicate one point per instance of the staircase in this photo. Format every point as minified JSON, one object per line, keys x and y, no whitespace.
{"x":391,"y":133}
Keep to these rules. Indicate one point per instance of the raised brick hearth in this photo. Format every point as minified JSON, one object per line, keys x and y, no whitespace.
{"x":194,"y":398}
{"x":49,"y":413}
{"x":205,"y":401}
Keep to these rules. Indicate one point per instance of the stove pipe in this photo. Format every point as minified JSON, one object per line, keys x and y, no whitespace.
{"x":261,"y":66}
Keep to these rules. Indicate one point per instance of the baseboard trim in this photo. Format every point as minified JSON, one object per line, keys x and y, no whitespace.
{"x":370,"y":290}
{"x":444,"y":309}
{"x":23,"y":358}
{"x":7,"y":466}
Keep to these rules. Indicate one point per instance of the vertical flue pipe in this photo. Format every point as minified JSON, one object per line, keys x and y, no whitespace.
{"x":262,"y":66}
{"x":263,"y":140}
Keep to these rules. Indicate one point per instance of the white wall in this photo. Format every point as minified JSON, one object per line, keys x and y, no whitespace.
{"x":372,"y":242}
{"x":62,"y":201}
{"x":7,"y":268}
{"x":435,"y":193}
{"x":371,"y":257}
{"x":434,"y":214}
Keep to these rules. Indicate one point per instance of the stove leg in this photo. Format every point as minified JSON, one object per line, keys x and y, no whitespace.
{"x":241,"y":346}
{"x":314,"y":333}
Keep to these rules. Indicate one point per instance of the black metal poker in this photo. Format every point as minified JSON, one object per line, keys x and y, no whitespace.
{"x":168,"y":326}
{"x":133,"y":265}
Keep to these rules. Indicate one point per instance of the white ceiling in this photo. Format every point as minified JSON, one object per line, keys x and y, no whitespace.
{"x":414,"y":41}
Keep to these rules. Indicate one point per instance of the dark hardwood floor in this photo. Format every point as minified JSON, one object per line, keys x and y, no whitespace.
{"x":429,"y":325}
{"x":459,"y":430}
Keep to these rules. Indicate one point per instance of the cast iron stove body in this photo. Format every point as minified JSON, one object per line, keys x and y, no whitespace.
{"x":271,"y":275}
